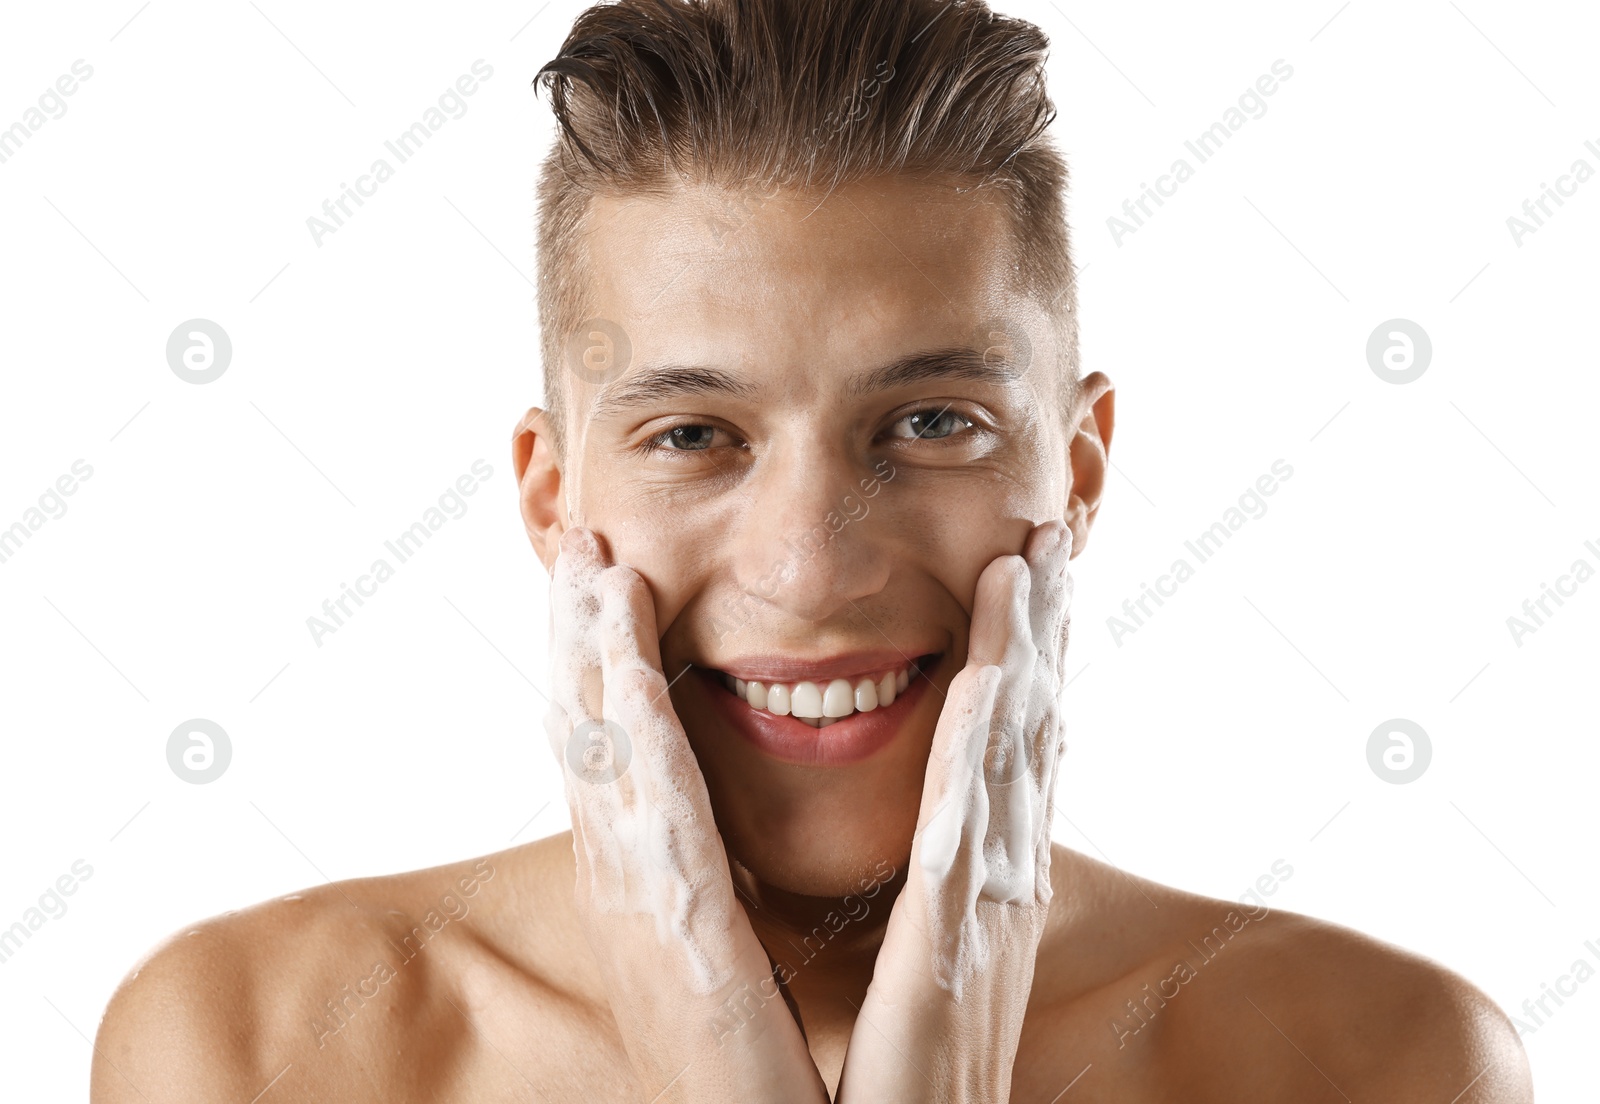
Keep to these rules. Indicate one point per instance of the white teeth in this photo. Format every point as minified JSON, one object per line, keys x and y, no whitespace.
{"x":839,"y":699}
{"x":805,"y":700}
{"x":866,"y":696}
{"x":818,"y":704}
{"x":778,"y":699}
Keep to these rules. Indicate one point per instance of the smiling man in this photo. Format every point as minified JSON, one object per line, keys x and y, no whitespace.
{"x":814,"y":457}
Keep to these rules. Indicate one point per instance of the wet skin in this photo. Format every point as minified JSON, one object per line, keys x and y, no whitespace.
{"x":706,"y":493}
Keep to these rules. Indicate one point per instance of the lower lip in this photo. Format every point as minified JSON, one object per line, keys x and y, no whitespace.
{"x":851,"y":740}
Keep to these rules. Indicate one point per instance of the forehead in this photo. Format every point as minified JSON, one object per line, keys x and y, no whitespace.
{"x":788,"y":278}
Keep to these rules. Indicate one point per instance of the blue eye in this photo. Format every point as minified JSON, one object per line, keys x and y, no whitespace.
{"x":931,"y":425}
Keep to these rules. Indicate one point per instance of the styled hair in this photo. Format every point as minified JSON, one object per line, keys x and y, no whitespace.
{"x":652,"y":94}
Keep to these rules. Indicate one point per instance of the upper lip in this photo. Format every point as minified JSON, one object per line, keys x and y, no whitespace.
{"x":790,"y":668}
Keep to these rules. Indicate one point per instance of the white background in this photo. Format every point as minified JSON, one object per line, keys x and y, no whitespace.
{"x":369,"y":373}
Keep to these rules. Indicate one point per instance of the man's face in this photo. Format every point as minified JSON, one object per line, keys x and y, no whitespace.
{"x":796,"y":510}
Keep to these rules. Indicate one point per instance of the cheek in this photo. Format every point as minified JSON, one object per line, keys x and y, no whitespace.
{"x":953,"y":528}
{"x":672,"y":543}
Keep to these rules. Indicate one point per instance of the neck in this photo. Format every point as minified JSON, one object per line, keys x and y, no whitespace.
{"x":819,"y":943}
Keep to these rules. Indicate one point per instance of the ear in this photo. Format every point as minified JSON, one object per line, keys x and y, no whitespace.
{"x":1089,"y":454}
{"x":539,"y":497}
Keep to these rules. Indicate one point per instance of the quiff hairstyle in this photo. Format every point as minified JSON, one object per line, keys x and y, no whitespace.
{"x":761,"y":94}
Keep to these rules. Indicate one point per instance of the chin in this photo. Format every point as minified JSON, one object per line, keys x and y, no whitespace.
{"x":816,"y":830}
{"x":841,"y":859}
{"x":819,"y":832}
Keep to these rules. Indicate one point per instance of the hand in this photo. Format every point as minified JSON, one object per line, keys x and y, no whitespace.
{"x":943,"y":1015}
{"x":690,"y":986}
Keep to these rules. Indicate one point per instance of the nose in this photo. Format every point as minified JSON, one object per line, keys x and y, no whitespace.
{"x":809,"y":545}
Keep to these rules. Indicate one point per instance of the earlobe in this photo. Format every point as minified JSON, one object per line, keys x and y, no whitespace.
{"x":1089,"y":454}
{"x":539,"y":496}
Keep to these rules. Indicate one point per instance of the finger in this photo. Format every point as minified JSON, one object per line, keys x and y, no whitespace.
{"x":948,"y":863}
{"x":637,"y":701}
{"x":955,"y":764}
{"x":1049,"y":554}
{"x":576,"y":685}
{"x":1020,"y":750}
{"x":1003,"y":636}
{"x":660,"y":809}
{"x":628,"y":617}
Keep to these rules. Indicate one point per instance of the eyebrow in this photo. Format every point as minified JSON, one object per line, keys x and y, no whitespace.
{"x":657,"y":384}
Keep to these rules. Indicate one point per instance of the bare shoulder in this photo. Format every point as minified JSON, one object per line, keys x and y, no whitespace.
{"x":365,"y":985}
{"x":1206,"y":999}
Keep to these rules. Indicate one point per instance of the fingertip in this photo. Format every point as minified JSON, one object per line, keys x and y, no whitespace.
{"x":578,"y":540}
{"x":1012,"y":568}
{"x":619,"y":586}
{"x":1048,"y":538}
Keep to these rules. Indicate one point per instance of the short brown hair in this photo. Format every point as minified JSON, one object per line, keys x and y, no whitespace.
{"x":797,"y":93}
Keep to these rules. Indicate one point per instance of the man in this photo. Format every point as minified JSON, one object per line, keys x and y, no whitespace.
{"x":814,"y":458}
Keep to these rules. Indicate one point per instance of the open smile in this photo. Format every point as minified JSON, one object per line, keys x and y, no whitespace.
{"x":821,"y":721}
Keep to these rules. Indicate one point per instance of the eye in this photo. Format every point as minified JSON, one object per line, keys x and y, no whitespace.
{"x":931,"y":425}
{"x":684,"y":438}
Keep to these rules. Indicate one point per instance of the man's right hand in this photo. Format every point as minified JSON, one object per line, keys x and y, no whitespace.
{"x":690,"y":985}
